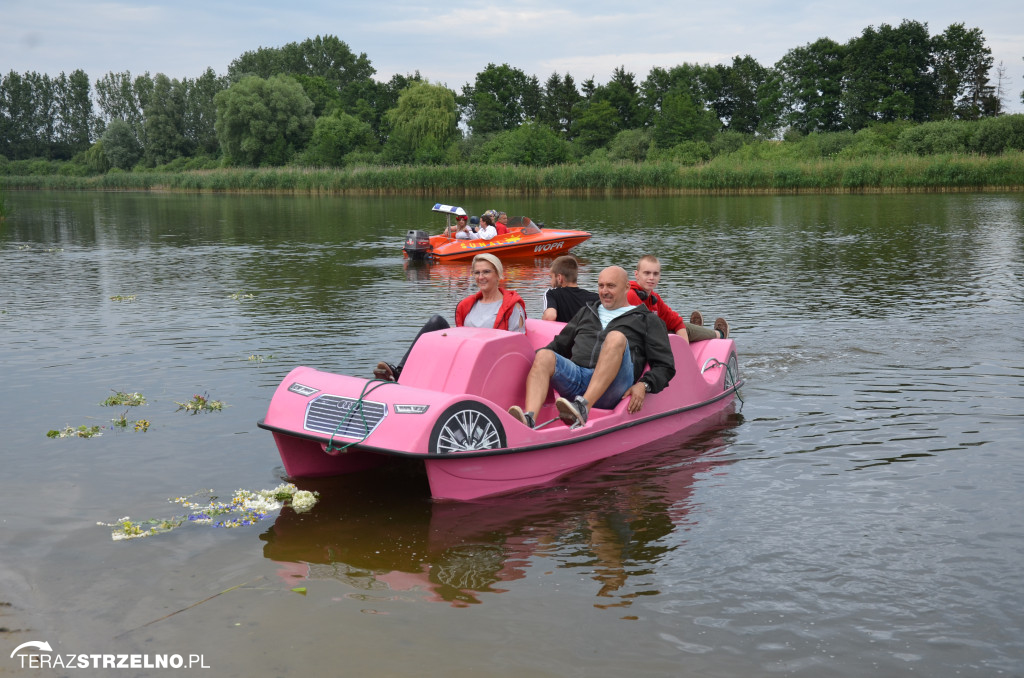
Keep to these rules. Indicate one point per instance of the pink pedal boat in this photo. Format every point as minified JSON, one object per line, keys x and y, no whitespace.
{"x":449,"y":411}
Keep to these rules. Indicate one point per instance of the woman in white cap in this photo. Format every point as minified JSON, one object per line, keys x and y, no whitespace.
{"x":492,"y":306}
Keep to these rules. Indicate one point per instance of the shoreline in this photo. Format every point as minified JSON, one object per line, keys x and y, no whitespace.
{"x":721,"y":176}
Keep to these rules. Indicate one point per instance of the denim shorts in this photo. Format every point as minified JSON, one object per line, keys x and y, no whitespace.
{"x":571,"y":380}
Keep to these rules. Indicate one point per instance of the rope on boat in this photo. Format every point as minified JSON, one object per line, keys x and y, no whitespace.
{"x":729,"y":373}
{"x":367,"y":390}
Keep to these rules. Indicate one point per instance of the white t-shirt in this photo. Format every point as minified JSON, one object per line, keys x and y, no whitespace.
{"x":607,"y":316}
{"x":484,"y":315}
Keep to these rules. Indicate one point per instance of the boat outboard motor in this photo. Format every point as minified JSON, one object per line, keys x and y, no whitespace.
{"x":417,"y":245}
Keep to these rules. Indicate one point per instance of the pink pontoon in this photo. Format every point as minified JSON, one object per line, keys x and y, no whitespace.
{"x":449,"y":410}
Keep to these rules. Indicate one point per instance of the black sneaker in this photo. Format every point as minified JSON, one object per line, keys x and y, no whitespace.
{"x":524,"y":417}
{"x":573,"y":412}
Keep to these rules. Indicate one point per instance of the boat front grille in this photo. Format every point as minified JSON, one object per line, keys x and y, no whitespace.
{"x":343,"y":417}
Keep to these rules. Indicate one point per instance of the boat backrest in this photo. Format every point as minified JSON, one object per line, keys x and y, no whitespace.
{"x":491,"y":364}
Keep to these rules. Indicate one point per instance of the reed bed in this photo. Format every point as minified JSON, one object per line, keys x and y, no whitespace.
{"x":722,"y":175}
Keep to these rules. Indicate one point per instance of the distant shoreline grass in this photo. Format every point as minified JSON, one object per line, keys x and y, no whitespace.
{"x":723,"y":175}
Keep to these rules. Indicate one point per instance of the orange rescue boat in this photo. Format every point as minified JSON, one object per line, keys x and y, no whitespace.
{"x":525,"y":238}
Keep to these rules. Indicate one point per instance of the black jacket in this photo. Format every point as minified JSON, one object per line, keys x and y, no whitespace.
{"x":581,"y":340}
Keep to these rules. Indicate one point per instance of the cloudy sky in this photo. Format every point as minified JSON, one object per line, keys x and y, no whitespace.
{"x":450,"y":42}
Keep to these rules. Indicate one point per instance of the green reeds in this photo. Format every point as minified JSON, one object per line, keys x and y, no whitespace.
{"x":724,"y":174}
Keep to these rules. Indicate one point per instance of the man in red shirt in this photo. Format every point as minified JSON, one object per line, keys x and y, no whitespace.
{"x":641,"y":291}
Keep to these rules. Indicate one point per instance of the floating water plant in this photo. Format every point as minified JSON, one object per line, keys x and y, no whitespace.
{"x":238,"y":296}
{"x":126,"y":399}
{"x":71,"y":432}
{"x":200,"y":403}
{"x":246,"y":507}
{"x":138,"y":425}
{"x":129,"y":298}
{"x":258,"y":358}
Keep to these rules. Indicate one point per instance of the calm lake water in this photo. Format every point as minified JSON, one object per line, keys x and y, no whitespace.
{"x":860,"y":513}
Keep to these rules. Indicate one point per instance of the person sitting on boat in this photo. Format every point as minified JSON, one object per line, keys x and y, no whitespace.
{"x":641,"y":291}
{"x":454,"y":230}
{"x":598,"y":358}
{"x":492,"y":306}
{"x":501,"y":225}
{"x":467,"y":230}
{"x":487,"y":229}
{"x":565,"y":298}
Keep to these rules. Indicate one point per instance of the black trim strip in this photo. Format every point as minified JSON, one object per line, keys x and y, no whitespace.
{"x":507,"y":450}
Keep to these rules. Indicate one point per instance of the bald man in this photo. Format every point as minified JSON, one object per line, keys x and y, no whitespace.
{"x":598,"y":358}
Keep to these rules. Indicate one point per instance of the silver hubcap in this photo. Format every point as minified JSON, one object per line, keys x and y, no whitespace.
{"x":467,"y":430}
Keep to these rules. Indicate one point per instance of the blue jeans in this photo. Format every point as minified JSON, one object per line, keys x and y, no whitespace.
{"x":571,"y":380}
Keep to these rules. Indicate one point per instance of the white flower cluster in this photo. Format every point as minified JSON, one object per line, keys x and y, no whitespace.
{"x":245,"y":508}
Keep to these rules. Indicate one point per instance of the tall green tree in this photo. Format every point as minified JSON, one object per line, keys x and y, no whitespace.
{"x":423,"y":124}
{"x":962,"y":65}
{"x":812,"y":86}
{"x":335,"y":136}
{"x":501,"y":98}
{"x":623,"y":94}
{"x":122,"y":97}
{"x":263,"y":121}
{"x":326,"y":57}
{"x":682,"y":119}
{"x":120,"y":145}
{"x":558,"y":102}
{"x":747,"y":98}
{"x":888,"y":75}
{"x":21,"y":116}
{"x":596,"y":124}
{"x":165,"y":122}
{"x":77,"y":122}
{"x":200,"y":124}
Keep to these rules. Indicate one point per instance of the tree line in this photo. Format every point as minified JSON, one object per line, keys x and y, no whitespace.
{"x":316,"y":103}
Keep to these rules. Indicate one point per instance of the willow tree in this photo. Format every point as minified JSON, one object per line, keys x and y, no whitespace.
{"x":263,"y":122}
{"x":423,"y":124}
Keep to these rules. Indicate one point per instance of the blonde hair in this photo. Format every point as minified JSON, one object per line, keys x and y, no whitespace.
{"x":493,"y":261}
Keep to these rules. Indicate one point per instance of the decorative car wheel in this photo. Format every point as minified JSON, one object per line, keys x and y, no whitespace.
{"x":464,"y":427}
{"x":732,"y":373}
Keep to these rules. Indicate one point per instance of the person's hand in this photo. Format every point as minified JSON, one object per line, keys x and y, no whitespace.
{"x":636,"y":394}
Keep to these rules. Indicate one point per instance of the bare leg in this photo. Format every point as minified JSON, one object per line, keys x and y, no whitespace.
{"x":608,"y":364}
{"x":539,"y":379}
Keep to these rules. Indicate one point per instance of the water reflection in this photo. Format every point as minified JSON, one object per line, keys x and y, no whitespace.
{"x":378,"y":533}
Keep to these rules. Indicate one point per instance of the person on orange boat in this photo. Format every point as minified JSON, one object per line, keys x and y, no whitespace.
{"x":598,"y":358}
{"x":641,"y":291}
{"x":565,"y":298}
{"x":453,"y":230}
{"x":492,"y":306}
{"x":487,"y":229}
{"x":501,"y":225}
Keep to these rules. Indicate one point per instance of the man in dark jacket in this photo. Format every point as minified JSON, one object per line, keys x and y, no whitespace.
{"x":599,"y":356}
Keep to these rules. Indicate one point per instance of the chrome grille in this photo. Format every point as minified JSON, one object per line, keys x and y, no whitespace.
{"x":343,"y":417}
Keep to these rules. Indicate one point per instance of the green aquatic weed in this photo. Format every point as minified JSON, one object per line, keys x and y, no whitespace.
{"x":127,"y":399}
{"x":128,"y":298}
{"x":200,"y":403}
{"x":71,"y":432}
{"x":239,"y":296}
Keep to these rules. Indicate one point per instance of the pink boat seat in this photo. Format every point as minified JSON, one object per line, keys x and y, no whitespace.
{"x":487,"y":363}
